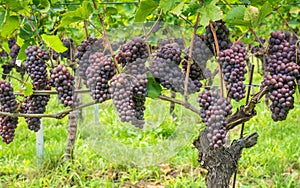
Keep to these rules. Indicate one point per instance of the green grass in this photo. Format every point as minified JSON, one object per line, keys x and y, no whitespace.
{"x":115,"y":154}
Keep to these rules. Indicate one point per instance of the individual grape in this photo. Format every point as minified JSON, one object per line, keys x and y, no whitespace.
{"x":98,"y":74}
{"x":85,"y":50}
{"x":121,"y":91}
{"x":130,"y":51}
{"x":35,"y":66}
{"x":63,"y":82}
{"x":8,"y":104}
{"x":234,"y":69}
{"x":166,"y":71}
{"x":222,"y":34}
{"x":214,"y":110}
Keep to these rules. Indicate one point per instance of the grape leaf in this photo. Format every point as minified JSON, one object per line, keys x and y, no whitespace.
{"x":54,"y":42}
{"x":251,"y":15}
{"x":27,"y":89}
{"x":166,"y":4}
{"x":146,"y":8}
{"x":17,"y":5}
{"x":10,"y":25}
{"x":178,"y":9}
{"x":210,"y":12}
{"x":236,"y":16}
{"x":154,"y":88}
{"x":80,"y":14}
{"x":21,"y":54}
{"x":264,"y":11}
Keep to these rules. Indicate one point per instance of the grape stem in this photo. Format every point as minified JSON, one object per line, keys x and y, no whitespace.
{"x":217,"y":51}
{"x":106,"y":37}
{"x":187,"y":74}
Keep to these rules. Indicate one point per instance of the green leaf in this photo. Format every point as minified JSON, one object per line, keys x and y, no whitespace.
{"x":27,"y":89}
{"x":54,"y":42}
{"x":78,"y":15}
{"x":178,"y":9}
{"x":294,"y":10}
{"x":154,"y":88}
{"x":44,"y":5}
{"x":236,"y":16}
{"x":111,"y":11}
{"x":21,"y":54}
{"x":210,"y":12}
{"x":251,"y":15}
{"x":264,"y":11}
{"x":16,"y":5}
{"x":166,"y":4}
{"x":9,"y":26}
{"x":2,"y":16}
{"x":146,"y":8}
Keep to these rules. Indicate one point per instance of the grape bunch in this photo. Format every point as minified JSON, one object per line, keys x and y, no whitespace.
{"x":170,"y":52}
{"x":98,"y":74}
{"x":137,"y":70}
{"x":178,"y":41}
{"x":35,"y":104}
{"x":35,"y":66}
{"x":166,"y":71}
{"x":222,"y":34}
{"x":14,"y":51}
{"x":121,"y":91}
{"x":130,"y":51}
{"x":8,"y":104}
{"x":214,"y":110}
{"x":282,"y":72}
{"x":85,"y":50}
{"x":234,"y":69}
{"x":63,"y":82}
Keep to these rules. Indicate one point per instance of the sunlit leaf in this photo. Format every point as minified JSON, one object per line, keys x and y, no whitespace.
{"x":210,"y":12}
{"x":54,"y":42}
{"x":146,"y":8}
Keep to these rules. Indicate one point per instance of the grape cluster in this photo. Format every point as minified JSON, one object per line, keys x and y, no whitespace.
{"x":214,"y":110}
{"x":137,"y":70}
{"x":282,"y":71}
{"x":281,"y":89}
{"x":14,"y":51}
{"x":178,"y":41}
{"x":8,"y":104}
{"x":121,"y":91}
{"x":35,"y":104}
{"x":234,"y":69}
{"x":63,"y":82}
{"x":98,"y":74}
{"x":166,"y":71}
{"x":36,"y":67}
{"x":170,"y":52}
{"x":85,"y":50}
{"x":130,"y":51}
{"x":222,"y":34}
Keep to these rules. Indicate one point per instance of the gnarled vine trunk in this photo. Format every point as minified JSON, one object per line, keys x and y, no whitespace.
{"x":221,"y":163}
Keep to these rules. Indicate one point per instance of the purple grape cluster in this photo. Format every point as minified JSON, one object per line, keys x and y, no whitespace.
{"x":8,"y":104}
{"x":63,"y":82}
{"x":166,"y":71}
{"x":35,"y":104}
{"x":282,"y":72}
{"x":14,"y":51}
{"x":138,"y":72}
{"x":85,"y":50}
{"x":234,"y":69}
{"x":121,"y":90}
{"x":170,"y":52}
{"x":178,"y":41}
{"x":130,"y":51}
{"x":214,"y":110}
{"x":35,"y":66}
{"x":222,"y":34}
{"x":98,"y":74}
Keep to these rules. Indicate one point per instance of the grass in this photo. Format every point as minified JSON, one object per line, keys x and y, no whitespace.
{"x":115,"y":154}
